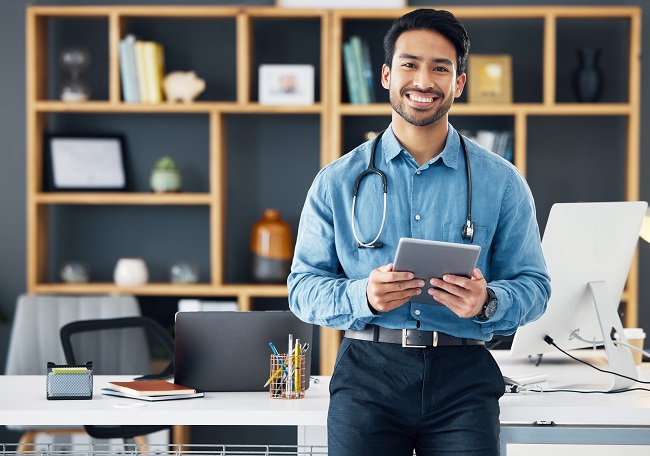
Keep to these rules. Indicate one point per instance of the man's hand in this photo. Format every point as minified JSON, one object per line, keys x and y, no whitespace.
{"x":464,"y":297}
{"x":387,"y":289}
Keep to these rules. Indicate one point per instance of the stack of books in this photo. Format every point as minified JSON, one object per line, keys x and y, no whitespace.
{"x":151,"y":390}
{"x":358,"y":71}
{"x":142,"y":69}
{"x":499,"y":142}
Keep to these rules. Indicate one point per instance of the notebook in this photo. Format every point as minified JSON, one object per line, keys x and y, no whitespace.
{"x":229,"y":351}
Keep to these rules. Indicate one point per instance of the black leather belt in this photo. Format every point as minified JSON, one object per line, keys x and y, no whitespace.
{"x":412,"y":338}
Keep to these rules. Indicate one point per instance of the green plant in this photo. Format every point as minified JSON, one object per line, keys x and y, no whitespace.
{"x":166,"y":163}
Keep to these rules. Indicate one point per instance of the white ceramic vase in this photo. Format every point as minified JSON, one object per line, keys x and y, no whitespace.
{"x":130,"y":272}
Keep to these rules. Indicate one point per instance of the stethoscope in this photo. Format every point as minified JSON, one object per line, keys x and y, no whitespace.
{"x":468,"y":228}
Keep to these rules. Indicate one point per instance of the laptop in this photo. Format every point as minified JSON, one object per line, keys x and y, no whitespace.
{"x":229,"y":351}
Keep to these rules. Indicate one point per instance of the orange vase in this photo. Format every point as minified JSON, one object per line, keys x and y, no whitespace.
{"x":271,"y":244}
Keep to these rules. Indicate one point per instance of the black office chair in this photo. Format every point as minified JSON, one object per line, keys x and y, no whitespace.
{"x":120,"y":346}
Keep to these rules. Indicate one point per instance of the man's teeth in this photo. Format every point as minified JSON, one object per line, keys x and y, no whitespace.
{"x":421,"y":99}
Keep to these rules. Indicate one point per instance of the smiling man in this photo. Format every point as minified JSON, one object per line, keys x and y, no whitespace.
{"x":412,"y":376}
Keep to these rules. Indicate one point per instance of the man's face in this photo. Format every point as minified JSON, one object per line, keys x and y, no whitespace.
{"x":422,"y":80}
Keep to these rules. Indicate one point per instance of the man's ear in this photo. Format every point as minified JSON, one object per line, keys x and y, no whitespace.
{"x":385,"y":76}
{"x":460,"y":84}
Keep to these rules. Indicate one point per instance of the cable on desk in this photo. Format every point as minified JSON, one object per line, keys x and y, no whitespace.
{"x":549,"y":340}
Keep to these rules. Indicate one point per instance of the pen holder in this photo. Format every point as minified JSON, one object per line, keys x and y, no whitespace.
{"x":287,"y":379}
{"x":69,"y":382}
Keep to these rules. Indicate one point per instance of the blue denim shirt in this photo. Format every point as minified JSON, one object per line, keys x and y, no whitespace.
{"x":329,"y":274}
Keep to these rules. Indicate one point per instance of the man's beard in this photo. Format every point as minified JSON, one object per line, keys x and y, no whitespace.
{"x":400,"y":108}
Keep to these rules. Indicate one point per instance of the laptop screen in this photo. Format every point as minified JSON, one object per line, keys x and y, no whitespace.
{"x":229,"y":351}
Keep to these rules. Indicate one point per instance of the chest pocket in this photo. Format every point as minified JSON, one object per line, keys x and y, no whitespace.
{"x":453,"y":233}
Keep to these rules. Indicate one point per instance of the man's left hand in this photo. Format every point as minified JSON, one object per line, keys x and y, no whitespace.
{"x":464,"y":297}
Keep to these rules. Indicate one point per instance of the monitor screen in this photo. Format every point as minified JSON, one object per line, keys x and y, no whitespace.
{"x":588,"y":249}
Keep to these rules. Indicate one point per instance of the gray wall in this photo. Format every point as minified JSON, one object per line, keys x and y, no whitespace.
{"x":12,"y":144}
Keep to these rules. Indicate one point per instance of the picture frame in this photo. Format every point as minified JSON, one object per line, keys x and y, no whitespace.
{"x":84,"y":162}
{"x":286,"y":84}
{"x":490,"y":78}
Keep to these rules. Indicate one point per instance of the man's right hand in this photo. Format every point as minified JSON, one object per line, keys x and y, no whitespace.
{"x":388,"y":290}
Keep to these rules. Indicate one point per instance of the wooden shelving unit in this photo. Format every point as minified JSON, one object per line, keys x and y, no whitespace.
{"x":331,"y":109}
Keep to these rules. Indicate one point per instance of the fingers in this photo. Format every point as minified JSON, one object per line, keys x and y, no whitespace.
{"x":463,"y":296}
{"x":388,"y":289}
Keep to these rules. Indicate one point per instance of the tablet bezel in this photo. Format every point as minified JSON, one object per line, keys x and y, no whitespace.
{"x":427,"y":259}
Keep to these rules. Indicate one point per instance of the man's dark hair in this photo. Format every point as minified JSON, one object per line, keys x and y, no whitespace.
{"x":439,"y":21}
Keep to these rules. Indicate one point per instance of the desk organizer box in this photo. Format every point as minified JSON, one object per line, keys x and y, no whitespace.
{"x":283,"y":385}
{"x":69,"y":382}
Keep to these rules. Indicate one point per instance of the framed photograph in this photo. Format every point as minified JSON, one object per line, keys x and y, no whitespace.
{"x":286,"y":84}
{"x":489,"y":78}
{"x":77,"y":163}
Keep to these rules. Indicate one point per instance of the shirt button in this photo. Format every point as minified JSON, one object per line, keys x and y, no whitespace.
{"x":417,"y":312}
{"x":417,"y":217}
{"x":417,"y":172}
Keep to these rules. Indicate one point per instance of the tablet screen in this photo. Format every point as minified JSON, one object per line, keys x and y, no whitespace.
{"x":427,"y":259}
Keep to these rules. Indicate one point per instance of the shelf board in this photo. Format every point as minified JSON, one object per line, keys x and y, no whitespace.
{"x":166,"y":289}
{"x":197,"y":199}
{"x":197,"y":107}
{"x":558,"y":109}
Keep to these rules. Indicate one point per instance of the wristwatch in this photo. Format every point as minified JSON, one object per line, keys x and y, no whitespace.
{"x":490,"y":306}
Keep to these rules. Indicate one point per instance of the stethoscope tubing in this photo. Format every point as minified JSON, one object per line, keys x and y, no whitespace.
{"x":468,"y":228}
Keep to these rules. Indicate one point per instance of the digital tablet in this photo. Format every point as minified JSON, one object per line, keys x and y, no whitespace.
{"x":427,"y":259}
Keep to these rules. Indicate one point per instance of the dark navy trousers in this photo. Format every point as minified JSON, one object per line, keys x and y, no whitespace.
{"x":389,"y":400}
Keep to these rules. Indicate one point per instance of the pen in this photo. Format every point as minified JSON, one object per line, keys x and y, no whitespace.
{"x":278,"y":357}
{"x":272,"y":377}
{"x":296,"y":375}
{"x":288,"y":386}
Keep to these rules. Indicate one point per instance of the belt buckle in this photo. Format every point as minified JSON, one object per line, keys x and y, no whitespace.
{"x":405,"y":343}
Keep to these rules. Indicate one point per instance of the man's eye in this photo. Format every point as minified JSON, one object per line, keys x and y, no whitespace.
{"x":408,"y":65}
{"x":443,"y":69}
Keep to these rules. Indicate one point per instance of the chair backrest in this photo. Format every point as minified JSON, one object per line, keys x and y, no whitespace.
{"x":120,"y":346}
{"x":35,"y":329}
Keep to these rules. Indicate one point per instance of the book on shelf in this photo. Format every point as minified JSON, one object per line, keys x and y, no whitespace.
{"x":351,"y":77}
{"x":358,"y":71}
{"x":155,"y":70}
{"x":128,"y":71}
{"x":368,"y":74}
{"x":151,"y":388}
{"x":150,"y":69}
{"x":168,"y":397}
{"x":499,"y":142}
{"x":141,"y":71}
{"x":357,"y":52}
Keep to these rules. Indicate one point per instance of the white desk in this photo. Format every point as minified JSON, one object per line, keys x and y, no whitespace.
{"x":597,"y":419}
{"x":579,"y":418}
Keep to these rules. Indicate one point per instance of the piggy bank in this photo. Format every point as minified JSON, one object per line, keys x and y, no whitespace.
{"x":182,"y":86}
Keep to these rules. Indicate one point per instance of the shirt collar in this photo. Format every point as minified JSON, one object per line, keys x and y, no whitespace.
{"x":449,"y":156}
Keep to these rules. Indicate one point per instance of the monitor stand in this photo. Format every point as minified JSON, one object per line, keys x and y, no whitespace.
{"x":619,"y":356}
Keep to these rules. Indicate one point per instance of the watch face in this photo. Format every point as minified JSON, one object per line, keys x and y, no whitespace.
{"x":491,"y":308}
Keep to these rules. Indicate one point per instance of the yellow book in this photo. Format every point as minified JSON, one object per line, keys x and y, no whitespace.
{"x":140,"y":66}
{"x":159,"y":72}
{"x":150,"y":55}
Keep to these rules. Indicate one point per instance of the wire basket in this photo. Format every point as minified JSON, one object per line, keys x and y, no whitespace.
{"x":93,"y":449}
{"x":287,"y":377}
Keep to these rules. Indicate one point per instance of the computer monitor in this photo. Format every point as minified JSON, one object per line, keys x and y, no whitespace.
{"x":588,"y":249}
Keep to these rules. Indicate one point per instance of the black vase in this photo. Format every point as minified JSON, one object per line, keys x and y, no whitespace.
{"x":588,"y":79}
